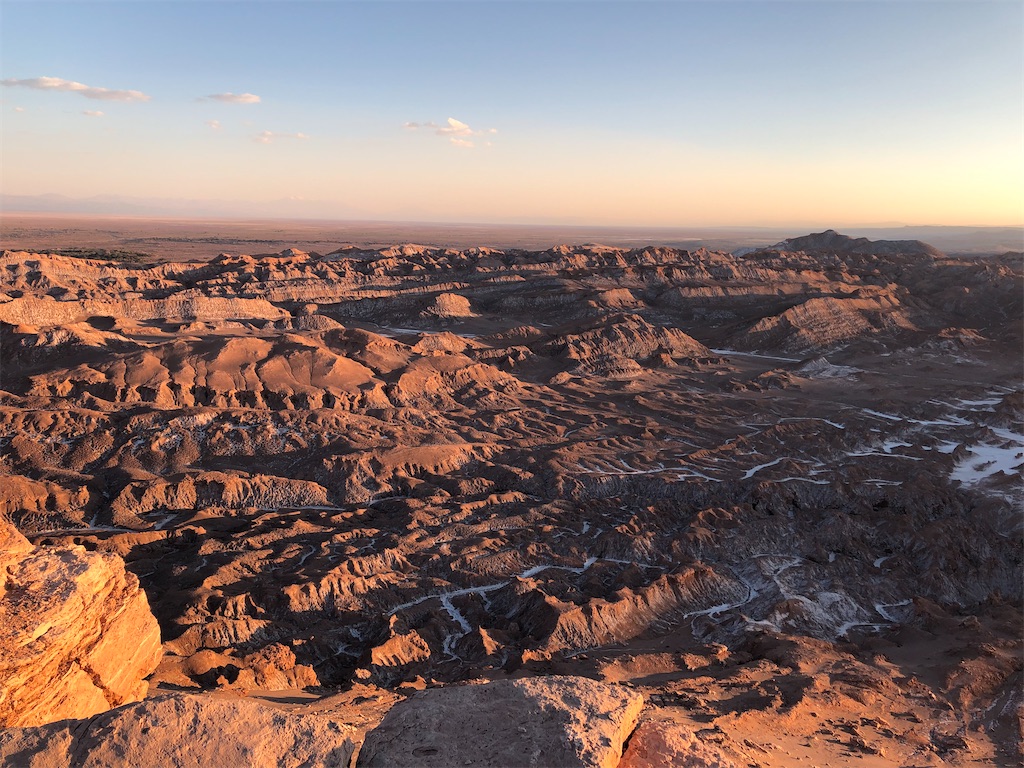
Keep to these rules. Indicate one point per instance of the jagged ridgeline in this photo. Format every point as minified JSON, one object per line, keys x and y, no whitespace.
{"x":415,"y":466}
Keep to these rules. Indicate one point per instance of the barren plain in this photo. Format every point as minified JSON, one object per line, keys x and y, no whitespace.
{"x":776,"y":493}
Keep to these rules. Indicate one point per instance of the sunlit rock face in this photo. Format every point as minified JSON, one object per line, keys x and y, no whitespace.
{"x":76,"y":633}
{"x":185,"y":730}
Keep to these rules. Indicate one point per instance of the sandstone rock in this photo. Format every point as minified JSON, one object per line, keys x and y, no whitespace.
{"x":824,"y":323}
{"x":12,"y":546}
{"x":20,"y":494}
{"x":76,"y":633}
{"x":450,"y":305}
{"x":46,"y":312}
{"x":184,"y":730}
{"x":443,"y":342}
{"x":271,"y":668}
{"x":655,"y":744}
{"x":625,"y":336}
{"x":560,"y":721}
{"x":399,"y":650}
{"x":274,"y":667}
{"x":623,"y":617}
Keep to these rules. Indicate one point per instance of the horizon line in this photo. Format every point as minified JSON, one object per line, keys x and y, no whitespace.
{"x":244,"y":218}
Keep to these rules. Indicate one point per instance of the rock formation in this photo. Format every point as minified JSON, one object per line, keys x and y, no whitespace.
{"x":76,"y":634}
{"x":735,"y":481}
{"x":659,"y":743}
{"x":564,"y":721}
{"x":184,"y":730}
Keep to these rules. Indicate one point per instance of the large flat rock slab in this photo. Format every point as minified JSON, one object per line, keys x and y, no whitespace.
{"x":546,"y":721}
{"x":183,"y":731}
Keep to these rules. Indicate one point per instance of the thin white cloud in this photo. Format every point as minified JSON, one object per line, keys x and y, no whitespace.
{"x":457,"y":132}
{"x":266,"y":137}
{"x":234,"y":98}
{"x":215,"y":124}
{"x":19,"y":109}
{"x":455,"y":128}
{"x":90,"y":92}
{"x":92,"y":113}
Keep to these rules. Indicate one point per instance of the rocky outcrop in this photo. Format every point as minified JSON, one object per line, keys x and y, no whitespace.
{"x":629,"y":613}
{"x":45,"y":312}
{"x":241,"y":372}
{"x":184,"y":730}
{"x":626,"y":336}
{"x":19,"y":494}
{"x":272,"y":668}
{"x":209,"y":489}
{"x":448,"y":305}
{"x":660,"y":743}
{"x":563,"y":721}
{"x":76,"y":633}
{"x":824,"y":323}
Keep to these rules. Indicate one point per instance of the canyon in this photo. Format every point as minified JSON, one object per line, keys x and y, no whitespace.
{"x":763,"y":506}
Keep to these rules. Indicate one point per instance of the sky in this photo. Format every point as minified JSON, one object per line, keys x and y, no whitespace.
{"x":618,"y":113}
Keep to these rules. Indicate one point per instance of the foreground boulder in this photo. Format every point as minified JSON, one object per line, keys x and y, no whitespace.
{"x":563,"y":721}
{"x":183,"y":731}
{"x":76,"y":633}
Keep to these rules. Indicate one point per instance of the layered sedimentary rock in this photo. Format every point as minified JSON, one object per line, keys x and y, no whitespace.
{"x":824,"y":323}
{"x":76,"y":633}
{"x":53,"y":312}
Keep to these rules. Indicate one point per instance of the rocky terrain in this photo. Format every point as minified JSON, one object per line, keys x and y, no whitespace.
{"x":76,"y":633}
{"x":775,"y":494}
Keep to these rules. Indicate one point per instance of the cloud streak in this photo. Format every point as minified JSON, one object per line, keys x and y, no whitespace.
{"x":268,"y":137}
{"x":233,"y":98}
{"x":457,"y":132}
{"x":60,"y":84}
{"x":214,"y":124}
{"x":92,"y":113}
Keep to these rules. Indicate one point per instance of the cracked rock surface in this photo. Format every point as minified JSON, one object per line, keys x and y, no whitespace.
{"x":76,"y":633}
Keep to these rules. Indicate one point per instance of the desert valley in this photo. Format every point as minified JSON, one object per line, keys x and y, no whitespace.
{"x":400,"y":504}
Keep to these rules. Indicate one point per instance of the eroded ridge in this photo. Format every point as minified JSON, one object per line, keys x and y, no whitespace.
{"x":418,"y":465}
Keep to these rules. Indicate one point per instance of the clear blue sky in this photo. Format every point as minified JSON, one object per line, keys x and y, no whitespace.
{"x":674,"y":113}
